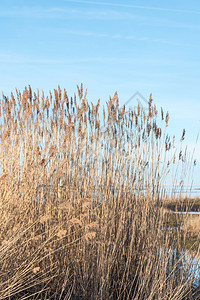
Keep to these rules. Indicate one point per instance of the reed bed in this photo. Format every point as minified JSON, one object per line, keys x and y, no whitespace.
{"x":80,"y":200}
{"x":192,"y":224}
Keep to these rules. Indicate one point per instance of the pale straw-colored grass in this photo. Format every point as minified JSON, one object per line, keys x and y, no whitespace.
{"x":80,"y":211}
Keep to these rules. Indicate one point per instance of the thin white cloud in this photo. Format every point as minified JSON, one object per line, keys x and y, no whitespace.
{"x":187,"y":11}
{"x":102,"y":35}
{"x":17,"y":58}
{"x":62,"y":12}
{"x":94,"y":13}
{"x":130,"y":37}
{"x":39,"y":12}
{"x":14,"y":58}
{"x":91,"y":13}
{"x":114,"y":36}
{"x":117,"y":36}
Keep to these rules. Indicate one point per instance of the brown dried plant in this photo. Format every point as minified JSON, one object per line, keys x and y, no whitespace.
{"x":80,"y":206}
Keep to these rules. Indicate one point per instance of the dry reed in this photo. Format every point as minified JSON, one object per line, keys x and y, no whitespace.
{"x":80,"y":203}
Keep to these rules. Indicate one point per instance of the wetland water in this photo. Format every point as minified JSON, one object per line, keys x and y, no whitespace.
{"x":187,"y":212}
{"x":189,"y":263}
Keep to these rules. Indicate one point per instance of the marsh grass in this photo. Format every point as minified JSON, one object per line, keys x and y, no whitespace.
{"x":80,"y":207}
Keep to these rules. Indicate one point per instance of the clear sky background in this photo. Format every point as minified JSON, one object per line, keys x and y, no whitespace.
{"x":128,"y":46}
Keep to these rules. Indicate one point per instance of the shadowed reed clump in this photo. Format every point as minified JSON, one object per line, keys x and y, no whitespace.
{"x":80,"y":208}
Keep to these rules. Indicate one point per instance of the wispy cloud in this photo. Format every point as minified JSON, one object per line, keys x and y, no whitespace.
{"x":38,"y":12}
{"x":113,"y":36}
{"x":16,"y":58}
{"x":61,"y":12}
{"x":187,"y":11}
{"x":93,"y":12}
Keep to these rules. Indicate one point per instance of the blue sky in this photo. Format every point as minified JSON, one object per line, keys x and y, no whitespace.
{"x":128,"y":46}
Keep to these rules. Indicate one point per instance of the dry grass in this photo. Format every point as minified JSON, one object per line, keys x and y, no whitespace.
{"x":182,"y":203}
{"x":80,"y":204}
{"x":192,"y":224}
